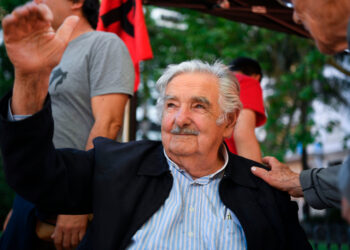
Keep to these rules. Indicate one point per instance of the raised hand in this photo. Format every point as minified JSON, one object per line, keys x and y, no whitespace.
{"x":31,"y":43}
{"x":34,"y":49}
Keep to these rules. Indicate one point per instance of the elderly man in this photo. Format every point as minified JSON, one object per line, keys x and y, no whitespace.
{"x":328,"y":22}
{"x":186,"y":192}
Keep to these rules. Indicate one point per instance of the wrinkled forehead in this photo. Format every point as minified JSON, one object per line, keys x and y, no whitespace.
{"x":193,"y":84}
{"x":197,"y":74}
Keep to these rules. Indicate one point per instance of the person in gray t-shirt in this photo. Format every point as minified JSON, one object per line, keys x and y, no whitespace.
{"x":89,"y":89}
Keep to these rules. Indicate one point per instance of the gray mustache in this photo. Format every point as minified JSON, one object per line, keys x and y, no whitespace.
{"x":183,"y":131}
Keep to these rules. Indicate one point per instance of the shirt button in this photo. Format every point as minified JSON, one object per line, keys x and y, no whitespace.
{"x":190,"y":234}
{"x":191,"y":209}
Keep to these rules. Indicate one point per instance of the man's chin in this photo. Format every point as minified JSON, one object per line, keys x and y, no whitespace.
{"x":331,"y":48}
{"x":181,"y":150}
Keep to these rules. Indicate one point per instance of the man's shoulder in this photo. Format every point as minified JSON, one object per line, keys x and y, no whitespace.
{"x":127,"y":159}
{"x":107,"y":149}
{"x":97,"y":38}
{"x":102,"y":36}
{"x":239,"y":168}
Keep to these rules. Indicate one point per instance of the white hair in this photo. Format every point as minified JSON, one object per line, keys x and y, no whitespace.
{"x":229,"y":101}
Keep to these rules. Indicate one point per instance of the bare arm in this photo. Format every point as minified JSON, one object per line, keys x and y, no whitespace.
{"x":244,"y":134}
{"x":108,"y":111}
{"x":34,"y":49}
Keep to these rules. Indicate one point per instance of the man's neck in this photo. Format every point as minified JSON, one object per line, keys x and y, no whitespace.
{"x":82,"y":27}
{"x":199,"y":165}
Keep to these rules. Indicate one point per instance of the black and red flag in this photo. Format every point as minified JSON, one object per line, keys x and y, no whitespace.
{"x":125,"y":18}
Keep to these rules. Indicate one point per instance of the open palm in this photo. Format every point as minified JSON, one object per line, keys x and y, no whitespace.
{"x":31,"y":43}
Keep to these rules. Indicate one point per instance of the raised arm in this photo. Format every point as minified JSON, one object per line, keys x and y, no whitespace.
{"x":55,"y":180}
{"x":34,"y":49}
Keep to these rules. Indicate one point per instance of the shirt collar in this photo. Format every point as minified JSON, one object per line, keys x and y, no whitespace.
{"x":205,"y":179}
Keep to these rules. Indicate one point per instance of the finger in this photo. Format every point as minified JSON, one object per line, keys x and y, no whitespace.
{"x":57,"y":238}
{"x":75,"y":239}
{"x":45,"y":12}
{"x":8,"y":25}
{"x":66,"y":29}
{"x":16,"y":17}
{"x":271,"y":161}
{"x":20,"y":20}
{"x":82,"y":234}
{"x":260,"y":172}
{"x":268,"y":159}
{"x":67,"y":237}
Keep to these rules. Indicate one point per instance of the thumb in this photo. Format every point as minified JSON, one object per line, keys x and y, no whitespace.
{"x":259,"y":172}
{"x":66,"y":29}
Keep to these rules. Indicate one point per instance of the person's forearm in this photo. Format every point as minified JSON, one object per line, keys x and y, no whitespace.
{"x":29,"y":92}
{"x":320,"y":187}
{"x":249,"y":149}
{"x":109,"y":130}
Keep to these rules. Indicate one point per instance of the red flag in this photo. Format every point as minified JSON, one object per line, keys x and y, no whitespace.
{"x":125,"y":18}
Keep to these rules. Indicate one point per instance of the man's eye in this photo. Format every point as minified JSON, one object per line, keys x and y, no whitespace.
{"x":170,"y":105}
{"x":199,"y":106}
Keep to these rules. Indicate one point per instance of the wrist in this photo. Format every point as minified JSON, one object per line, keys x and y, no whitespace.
{"x":295,"y":188}
{"x":29,"y":92}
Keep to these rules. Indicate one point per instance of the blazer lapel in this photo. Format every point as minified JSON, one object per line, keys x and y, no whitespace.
{"x":157,"y":183}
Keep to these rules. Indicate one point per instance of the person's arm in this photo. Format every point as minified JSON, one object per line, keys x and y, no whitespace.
{"x":34,"y":49}
{"x":33,"y":168}
{"x":318,"y":186}
{"x":344,"y":185}
{"x":108,"y":112}
{"x":279,"y":176}
{"x":244,"y":134}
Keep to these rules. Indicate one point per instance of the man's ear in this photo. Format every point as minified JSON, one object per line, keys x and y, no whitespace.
{"x":230,"y":123}
{"x":77,"y":4}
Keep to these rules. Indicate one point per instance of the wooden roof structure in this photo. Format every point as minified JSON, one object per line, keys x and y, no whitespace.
{"x":263,"y":13}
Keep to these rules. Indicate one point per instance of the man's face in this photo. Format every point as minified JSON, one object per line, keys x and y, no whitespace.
{"x":60,"y":10}
{"x":326,"y":21}
{"x":190,"y":114}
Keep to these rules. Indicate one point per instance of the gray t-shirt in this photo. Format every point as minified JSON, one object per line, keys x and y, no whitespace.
{"x":95,"y":63}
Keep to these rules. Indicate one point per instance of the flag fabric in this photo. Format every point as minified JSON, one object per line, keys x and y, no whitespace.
{"x":125,"y":18}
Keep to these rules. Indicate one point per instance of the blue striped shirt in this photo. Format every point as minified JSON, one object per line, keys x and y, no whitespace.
{"x":192,"y":217}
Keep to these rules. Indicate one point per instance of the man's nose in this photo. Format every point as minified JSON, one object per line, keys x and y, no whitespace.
{"x":183,"y":117}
